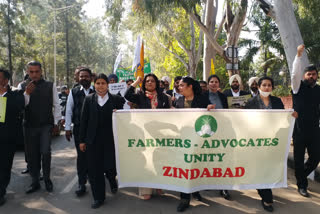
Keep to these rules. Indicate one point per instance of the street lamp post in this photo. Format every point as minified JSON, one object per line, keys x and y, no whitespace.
{"x":55,"y":39}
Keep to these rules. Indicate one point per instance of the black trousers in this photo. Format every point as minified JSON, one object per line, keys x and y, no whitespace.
{"x":82,"y":162}
{"x":38,"y":142}
{"x":306,"y":139}
{"x":97,"y":171}
{"x":25,"y":147}
{"x":187,"y":196}
{"x":266,"y":195}
{"x":7,"y":150}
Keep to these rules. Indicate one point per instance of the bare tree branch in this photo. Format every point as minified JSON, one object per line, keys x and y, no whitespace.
{"x":217,"y":34}
{"x":205,"y":30}
{"x":175,"y":54}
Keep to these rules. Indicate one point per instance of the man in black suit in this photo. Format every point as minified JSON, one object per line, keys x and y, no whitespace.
{"x":73,"y":113}
{"x":13,"y":102}
{"x":235,"y":83}
{"x":306,"y":134}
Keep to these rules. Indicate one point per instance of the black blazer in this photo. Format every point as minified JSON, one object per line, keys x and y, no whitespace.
{"x":199,"y":101}
{"x":169,"y":92}
{"x":15,"y":105}
{"x":253,"y":103}
{"x":143,"y":102}
{"x":89,"y":115}
{"x":222,"y":97}
{"x":228,"y":93}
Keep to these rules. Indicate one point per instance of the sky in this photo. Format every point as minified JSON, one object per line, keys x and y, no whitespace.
{"x":95,"y":8}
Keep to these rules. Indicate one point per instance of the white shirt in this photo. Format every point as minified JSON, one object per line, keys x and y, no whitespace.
{"x":102,"y":100}
{"x":176,"y":94}
{"x":55,"y":103}
{"x":297,"y":74}
{"x":254,"y":94}
{"x":70,"y":105}
{"x":235,"y":94}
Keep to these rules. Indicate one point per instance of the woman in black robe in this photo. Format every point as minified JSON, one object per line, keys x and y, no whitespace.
{"x":96,"y":136}
{"x":192,"y":98}
{"x":265,"y":101}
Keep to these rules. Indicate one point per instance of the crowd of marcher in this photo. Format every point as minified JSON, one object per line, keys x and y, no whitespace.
{"x":86,"y":111}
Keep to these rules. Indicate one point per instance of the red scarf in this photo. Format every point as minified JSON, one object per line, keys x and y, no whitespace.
{"x":153,"y":98}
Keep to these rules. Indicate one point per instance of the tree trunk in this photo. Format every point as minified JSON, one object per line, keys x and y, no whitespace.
{"x":9,"y":42}
{"x":234,"y":26}
{"x":283,"y":14}
{"x":209,"y":51}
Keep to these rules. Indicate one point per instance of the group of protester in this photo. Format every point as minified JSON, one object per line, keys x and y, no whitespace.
{"x":89,"y":107}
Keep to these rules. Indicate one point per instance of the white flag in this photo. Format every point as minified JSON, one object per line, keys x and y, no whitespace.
{"x":136,"y":59}
{"x":117,"y":62}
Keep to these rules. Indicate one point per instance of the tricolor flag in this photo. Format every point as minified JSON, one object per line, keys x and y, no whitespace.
{"x":138,"y":62}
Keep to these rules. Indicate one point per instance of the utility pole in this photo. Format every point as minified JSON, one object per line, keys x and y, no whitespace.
{"x":9,"y":42}
{"x":55,"y":42}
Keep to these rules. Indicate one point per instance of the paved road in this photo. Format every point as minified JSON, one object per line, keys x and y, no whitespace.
{"x":63,"y":200}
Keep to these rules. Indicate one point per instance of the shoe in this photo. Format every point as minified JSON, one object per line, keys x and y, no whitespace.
{"x":225,"y":194}
{"x":268,"y":208}
{"x":2,"y":201}
{"x":197,"y":196}
{"x":25,"y":171}
{"x":183,"y":206}
{"x":33,"y":188}
{"x":81,"y":190}
{"x":113,"y":186}
{"x":49,"y":185}
{"x":303,"y":192}
{"x":96,"y":204}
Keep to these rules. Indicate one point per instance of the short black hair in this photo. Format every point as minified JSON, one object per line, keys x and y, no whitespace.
{"x":6,"y":73}
{"x":202,"y":81}
{"x":129,"y":80}
{"x":101,"y":76}
{"x":34,"y":63}
{"x":311,"y":67}
{"x":177,"y":78}
{"x":87,"y":70}
{"x":266,"y":78}
{"x":213,"y":76}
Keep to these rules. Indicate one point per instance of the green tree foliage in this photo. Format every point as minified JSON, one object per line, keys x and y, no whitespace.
{"x":308,"y":21}
{"x":89,"y":40}
{"x":267,"y":48}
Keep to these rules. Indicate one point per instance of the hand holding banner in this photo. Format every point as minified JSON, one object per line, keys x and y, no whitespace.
{"x":191,"y":149}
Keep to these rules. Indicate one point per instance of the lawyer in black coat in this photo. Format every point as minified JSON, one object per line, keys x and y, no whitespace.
{"x":149,"y":97}
{"x":265,"y":101}
{"x":8,"y":130}
{"x":96,"y":137}
{"x":192,"y":98}
{"x":150,"y":87}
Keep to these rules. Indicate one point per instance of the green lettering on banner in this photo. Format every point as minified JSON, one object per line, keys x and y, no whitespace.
{"x":126,"y":73}
{"x":275,"y":141}
{"x":3,"y":108}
